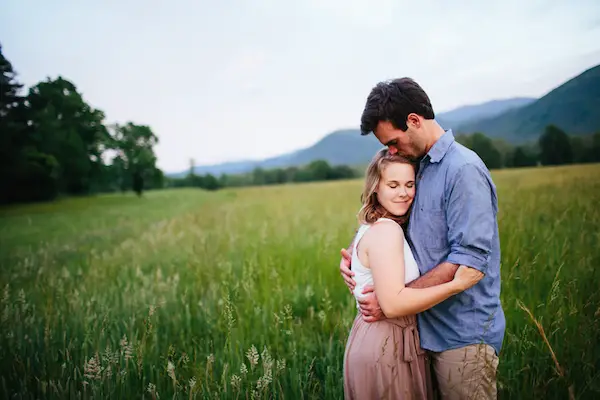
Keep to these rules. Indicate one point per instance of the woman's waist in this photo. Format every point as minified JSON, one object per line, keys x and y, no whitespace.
{"x":407,"y":321}
{"x":402,"y":330}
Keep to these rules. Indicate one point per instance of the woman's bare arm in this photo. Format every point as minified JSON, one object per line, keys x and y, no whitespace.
{"x":385,"y":253}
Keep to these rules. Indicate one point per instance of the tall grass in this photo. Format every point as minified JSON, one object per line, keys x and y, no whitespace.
{"x":237,"y":294}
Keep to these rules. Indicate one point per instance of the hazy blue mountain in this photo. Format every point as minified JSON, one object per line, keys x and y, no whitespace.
{"x":233,"y":167}
{"x":461,"y":115}
{"x":573,"y":106}
{"x":348,"y":146}
{"x":339,"y":147}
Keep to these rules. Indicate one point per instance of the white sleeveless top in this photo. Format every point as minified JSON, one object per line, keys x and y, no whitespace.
{"x":363,"y":275}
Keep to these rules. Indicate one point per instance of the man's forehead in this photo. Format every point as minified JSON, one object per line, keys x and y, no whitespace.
{"x":384,"y":132}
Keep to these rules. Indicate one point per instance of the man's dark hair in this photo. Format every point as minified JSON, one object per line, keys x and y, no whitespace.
{"x":392,"y":101}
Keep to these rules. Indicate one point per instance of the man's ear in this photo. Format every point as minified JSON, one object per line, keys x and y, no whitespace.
{"x":413,"y":120}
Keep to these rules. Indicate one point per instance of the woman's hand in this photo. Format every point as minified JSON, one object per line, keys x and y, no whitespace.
{"x":466,"y":277}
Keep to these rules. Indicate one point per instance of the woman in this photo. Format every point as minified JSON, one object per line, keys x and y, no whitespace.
{"x":383,"y":360}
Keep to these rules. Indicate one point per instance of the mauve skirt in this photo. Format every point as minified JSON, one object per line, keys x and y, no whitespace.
{"x":384,"y":360}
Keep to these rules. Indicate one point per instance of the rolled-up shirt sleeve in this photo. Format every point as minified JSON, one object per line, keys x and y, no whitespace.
{"x":471,"y":216}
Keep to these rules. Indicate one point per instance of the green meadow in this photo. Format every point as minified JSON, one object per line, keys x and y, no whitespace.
{"x":236,"y":294}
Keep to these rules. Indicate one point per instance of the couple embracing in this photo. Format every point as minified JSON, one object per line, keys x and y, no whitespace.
{"x":424,"y":265}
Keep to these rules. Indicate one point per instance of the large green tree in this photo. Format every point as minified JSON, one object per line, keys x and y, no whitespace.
{"x":594,"y":150}
{"x":67,"y":128}
{"x":135,"y":155}
{"x":586,"y":149}
{"x":26,"y":173}
{"x":523,"y":157}
{"x":484,"y":147}
{"x":52,"y":141}
{"x":555,"y":147}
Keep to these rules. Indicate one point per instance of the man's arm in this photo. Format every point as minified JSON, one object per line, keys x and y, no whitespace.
{"x":370,"y":307}
{"x":369,"y":304}
{"x":471,"y":218}
{"x":442,"y":273}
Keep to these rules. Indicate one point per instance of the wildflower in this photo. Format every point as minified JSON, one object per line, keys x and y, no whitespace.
{"x":92,"y":369}
{"x":185,"y":358}
{"x":321,"y":315}
{"x":126,"y":349}
{"x":171,"y":370}
{"x":236,"y":381}
{"x":210,"y":359}
{"x":252,"y":356}
{"x":267,"y":361}
{"x":280,"y":365}
{"x":228,"y":311}
{"x":152,"y":389}
{"x":287,"y":312}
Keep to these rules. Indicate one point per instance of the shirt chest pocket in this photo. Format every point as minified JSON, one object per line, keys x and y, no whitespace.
{"x":434,"y":229}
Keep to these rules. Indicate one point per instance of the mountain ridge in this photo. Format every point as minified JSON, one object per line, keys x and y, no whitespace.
{"x":571,"y":106}
{"x":483,"y":110}
{"x":347,"y":146}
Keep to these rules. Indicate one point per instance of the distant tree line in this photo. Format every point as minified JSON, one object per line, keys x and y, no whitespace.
{"x":318,"y":170}
{"x":554,"y":147}
{"x":53,"y":143}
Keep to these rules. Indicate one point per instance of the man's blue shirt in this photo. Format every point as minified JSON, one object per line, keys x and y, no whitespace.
{"x":453,"y":219}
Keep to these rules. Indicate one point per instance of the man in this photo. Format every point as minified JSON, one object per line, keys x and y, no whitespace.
{"x":452,"y":222}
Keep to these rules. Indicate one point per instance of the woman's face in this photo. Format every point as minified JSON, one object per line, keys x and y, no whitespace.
{"x":396,"y":189}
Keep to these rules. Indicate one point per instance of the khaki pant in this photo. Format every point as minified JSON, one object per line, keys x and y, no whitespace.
{"x":465,"y":373}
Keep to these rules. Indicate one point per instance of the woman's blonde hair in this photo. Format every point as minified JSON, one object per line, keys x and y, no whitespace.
{"x":371,"y":209}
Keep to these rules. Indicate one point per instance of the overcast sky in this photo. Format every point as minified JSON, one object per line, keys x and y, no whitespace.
{"x":230,"y":80}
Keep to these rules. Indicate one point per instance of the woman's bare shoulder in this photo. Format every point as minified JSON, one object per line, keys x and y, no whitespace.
{"x":385,"y":231}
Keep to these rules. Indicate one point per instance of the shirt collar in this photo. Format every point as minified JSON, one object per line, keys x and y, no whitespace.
{"x":440,"y":148}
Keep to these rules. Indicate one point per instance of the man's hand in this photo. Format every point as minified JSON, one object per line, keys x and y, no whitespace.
{"x":369,"y":306}
{"x":467,"y":277}
{"x":347,"y":274}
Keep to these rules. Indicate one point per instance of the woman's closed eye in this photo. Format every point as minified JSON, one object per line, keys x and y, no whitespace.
{"x":408,"y":185}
